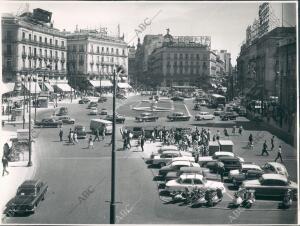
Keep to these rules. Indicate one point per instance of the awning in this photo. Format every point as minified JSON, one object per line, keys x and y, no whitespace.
{"x":64,"y":87}
{"x":34,"y":87}
{"x":49,"y":87}
{"x":104,"y":83}
{"x":7,"y":87}
{"x":124,"y":85}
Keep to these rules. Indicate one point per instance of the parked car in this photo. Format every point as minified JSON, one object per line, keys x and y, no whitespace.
{"x":252,"y":174}
{"x":230,"y":163}
{"x":275,"y":167}
{"x":175,"y":166}
{"x":49,"y":122}
{"x":102,"y":99}
{"x":203,"y":103}
{"x":162,"y":159}
{"x":146,"y":117}
{"x":245,"y":167}
{"x":62,"y":111}
{"x":177,"y":98}
{"x":93,"y":111}
{"x":214,"y":158}
{"x":103,"y":111}
{"x":66,"y":119}
{"x":204,"y":116}
{"x":163,"y":149}
{"x":271,"y":186}
{"x":187,"y":180}
{"x":81,"y":131}
{"x":178,"y":116}
{"x":121,"y":96}
{"x":119,"y":118}
{"x":228,"y":116}
{"x":84,"y":101}
{"x":218,"y":112}
{"x":92,"y":104}
{"x":29,"y":194}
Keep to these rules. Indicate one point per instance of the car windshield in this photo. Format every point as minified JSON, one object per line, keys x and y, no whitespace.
{"x":26,"y":191}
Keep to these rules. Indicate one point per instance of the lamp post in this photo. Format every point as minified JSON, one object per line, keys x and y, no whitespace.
{"x":30,"y":147}
{"x":23,"y":80}
{"x":35,"y":99}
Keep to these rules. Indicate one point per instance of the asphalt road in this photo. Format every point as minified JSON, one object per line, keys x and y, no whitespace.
{"x":79,"y":178}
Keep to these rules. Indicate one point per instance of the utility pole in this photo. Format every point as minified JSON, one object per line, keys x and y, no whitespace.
{"x":30,"y":146}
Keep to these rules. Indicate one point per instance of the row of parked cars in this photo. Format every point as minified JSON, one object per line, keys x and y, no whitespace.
{"x":179,"y":170}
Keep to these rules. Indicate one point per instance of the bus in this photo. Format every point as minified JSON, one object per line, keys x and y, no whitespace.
{"x":217,"y":99}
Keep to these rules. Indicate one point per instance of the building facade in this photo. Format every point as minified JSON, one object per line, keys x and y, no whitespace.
{"x":93,"y":56}
{"x":181,"y":61}
{"x":30,"y":44}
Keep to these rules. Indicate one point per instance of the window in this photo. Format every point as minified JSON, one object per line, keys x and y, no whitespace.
{"x":56,"y":67}
{"x":56,"y":42}
{"x":197,"y":56}
{"x":40,"y":63}
{"x":197,"y":181}
{"x":112,"y":50}
{"x":45,"y":53}
{"x":23,"y":35}
{"x":46,"y":40}
{"x":56,"y":54}
{"x":102,"y":59}
{"x":24,"y":50}
{"x":98,"y":59}
{"x":98,"y":49}
{"x":180,"y":56}
{"x":29,"y":63}
{"x":29,"y":50}
{"x":41,"y":39}
{"x":123,"y":52}
{"x":23,"y":63}
{"x":34,"y":38}
{"x":102,"y":49}
{"x":29,"y":37}
{"x":34,"y":51}
{"x":50,"y":41}
{"x":41,"y":52}
{"x":62,"y":55}
{"x":62,"y":43}
{"x":186,"y":56}
{"x":112,"y":59}
{"x":117,"y":50}
{"x":51,"y":53}
{"x":107,"y":50}
{"x":175,"y":55}
{"x":92,"y":49}
{"x":187,"y":181}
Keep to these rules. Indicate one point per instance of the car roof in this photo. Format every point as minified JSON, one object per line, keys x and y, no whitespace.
{"x":190,"y":169}
{"x":168,"y":147}
{"x":227,"y":153}
{"x":191,"y":176}
{"x":225,"y":142}
{"x":274,"y":176}
{"x":29,"y":183}
{"x":228,"y":158}
{"x":251,"y":166}
{"x":276,"y":164}
{"x":181,"y":162}
{"x":171,"y":152}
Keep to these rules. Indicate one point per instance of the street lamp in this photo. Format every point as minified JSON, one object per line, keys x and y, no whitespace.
{"x":120,"y":70}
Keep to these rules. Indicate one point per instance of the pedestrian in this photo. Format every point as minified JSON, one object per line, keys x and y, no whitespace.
{"x":97,"y":137}
{"x":221,"y":170}
{"x":250,"y":141}
{"x":103,"y":133}
{"x":226,"y":132}
{"x":61,"y":133}
{"x":240,"y":130}
{"x":272,"y":143}
{"x":70,"y":131}
{"x":72,"y":137}
{"x":208,"y":134}
{"x":125,"y":146}
{"x":153,"y":138}
{"x":75,"y":138}
{"x":264,"y":150}
{"x":129,"y":138}
{"x":279,"y":152}
{"x":142,"y":142}
{"x":5,"y":165}
{"x":214,"y":137}
{"x":90,"y":142}
{"x":218,"y":135}
{"x":160,"y":134}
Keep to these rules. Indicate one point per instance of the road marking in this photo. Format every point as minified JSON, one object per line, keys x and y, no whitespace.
{"x":186,"y":108}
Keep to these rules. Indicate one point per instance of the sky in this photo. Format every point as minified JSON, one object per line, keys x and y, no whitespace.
{"x":225,"y":22}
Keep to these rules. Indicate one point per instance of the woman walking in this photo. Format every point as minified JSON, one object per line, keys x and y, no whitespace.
{"x":90,"y":142}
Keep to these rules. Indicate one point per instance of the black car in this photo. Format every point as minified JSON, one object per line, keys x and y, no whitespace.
{"x":230,"y":163}
{"x":50,"y":123}
{"x":92,"y":104}
{"x":228,"y":116}
{"x":178,"y":116}
{"x":29,"y":194}
{"x":238,"y":179}
{"x":84,"y":101}
{"x":119,"y":118}
{"x":176,"y":98}
{"x":62,"y":111}
{"x":146,"y":117}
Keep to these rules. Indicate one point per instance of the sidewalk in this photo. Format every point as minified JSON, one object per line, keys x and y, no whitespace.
{"x":18,"y":172}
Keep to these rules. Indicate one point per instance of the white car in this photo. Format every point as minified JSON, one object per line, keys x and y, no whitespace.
{"x":187,"y":180}
{"x":204,"y":116}
{"x":244,"y":169}
{"x":275,"y":167}
{"x":167,"y":156}
{"x":94,"y":111}
{"x":216,"y":155}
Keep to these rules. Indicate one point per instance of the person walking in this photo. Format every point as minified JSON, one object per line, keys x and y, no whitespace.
{"x":5,"y":165}
{"x":90,"y":142}
{"x":75,"y":138}
{"x":129,"y":137}
{"x":70,"y":131}
{"x":272,"y":143}
{"x":61,"y":133}
{"x":279,"y":152}
{"x":221,"y":170}
{"x":103,"y":133}
{"x":240,"y":130}
{"x":208,"y":134}
{"x":264,"y":150}
{"x":250,"y":141}
{"x":97,"y":137}
{"x":226,"y":132}
{"x":153,"y":138}
{"x":142,"y":142}
{"x":72,"y":137}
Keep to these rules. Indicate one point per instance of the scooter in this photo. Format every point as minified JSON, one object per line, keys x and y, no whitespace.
{"x":244,"y":198}
{"x":199,"y":197}
{"x":287,"y":199}
{"x":213,"y":196}
{"x":249,"y":199}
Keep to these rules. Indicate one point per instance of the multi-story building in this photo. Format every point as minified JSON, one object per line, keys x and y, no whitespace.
{"x":93,"y":56}
{"x":226,"y":58}
{"x":132,"y":65}
{"x":182,"y":60}
{"x":30,"y":44}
